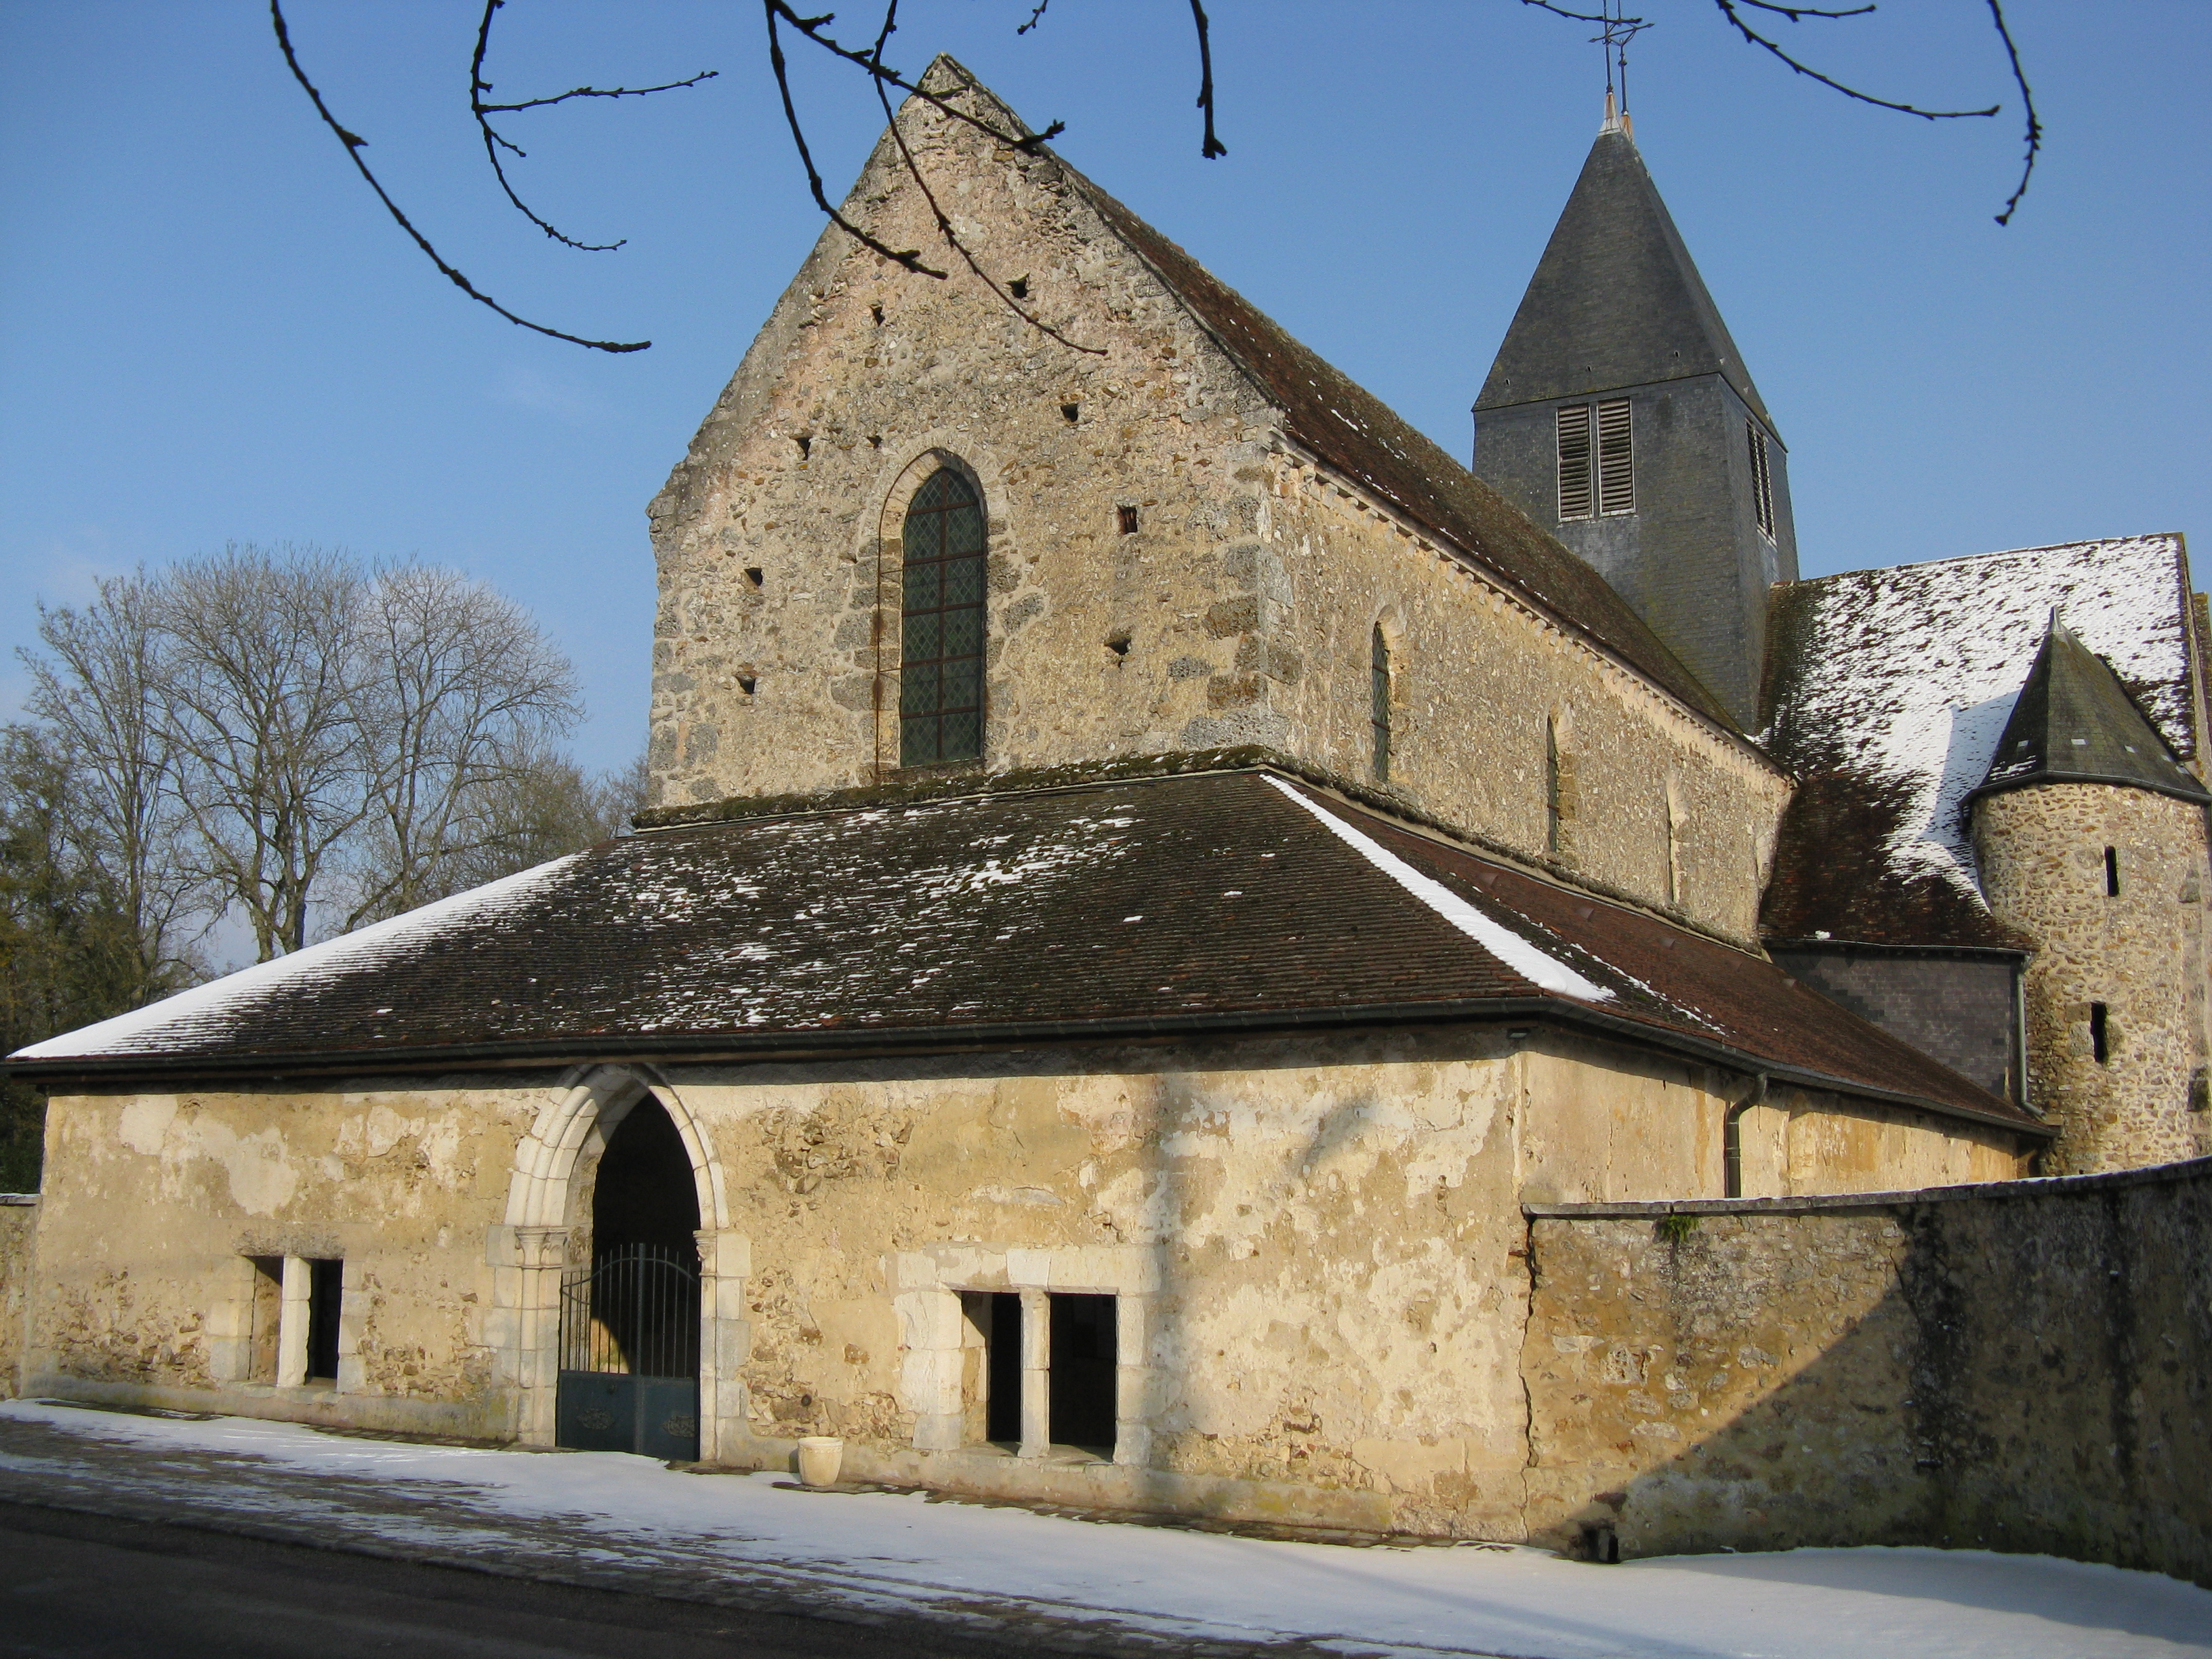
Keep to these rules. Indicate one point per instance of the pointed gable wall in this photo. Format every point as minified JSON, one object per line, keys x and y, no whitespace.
{"x":1282,"y":516}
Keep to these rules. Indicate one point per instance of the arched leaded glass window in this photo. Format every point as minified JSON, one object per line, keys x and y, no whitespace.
{"x":941,"y":628}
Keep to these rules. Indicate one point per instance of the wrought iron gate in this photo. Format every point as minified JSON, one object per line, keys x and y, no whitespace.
{"x":630,"y":1355}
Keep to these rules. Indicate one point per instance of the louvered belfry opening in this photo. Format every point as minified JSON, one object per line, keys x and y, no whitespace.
{"x":1616,"y":459}
{"x":941,"y":629}
{"x":1762,"y":479}
{"x":1575,"y":474}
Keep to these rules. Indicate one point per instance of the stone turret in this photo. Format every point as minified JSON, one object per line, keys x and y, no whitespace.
{"x":2090,"y":840}
{"x":1620,"y":416}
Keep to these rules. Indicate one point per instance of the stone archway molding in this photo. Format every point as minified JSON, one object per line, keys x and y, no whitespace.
{"x":529,"y":1251}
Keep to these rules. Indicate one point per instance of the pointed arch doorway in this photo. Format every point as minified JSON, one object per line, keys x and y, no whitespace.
{"x":628,"y":1377}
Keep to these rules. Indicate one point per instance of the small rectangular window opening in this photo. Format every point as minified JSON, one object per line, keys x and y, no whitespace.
{"x":1126,"y":516}
{"x":266,"y":1319}
{"x":2100,"y":1034}
{"x":1616,"y":459}
{"x":1083,"y":1350}
{"x":325,"y":1292}
{"x":1002,"y":1374}
{"x":1762,"y":480}
{"x":2112,"y":872}
{"x":1574,"y":440}
{"x":1732,"y":1154}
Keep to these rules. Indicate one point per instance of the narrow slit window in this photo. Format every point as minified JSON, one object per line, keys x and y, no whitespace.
{"x":1575,"y":461}
{"x":2101,"y":1033}
{"x":941,"y":627}
{"x":1378,"y":702}
{"x":1616,"y":459}
{"x":1084,"y":1351}
{"x":326,"y":1293}
{"x":1558,"y":786}
{"x":1762,"y":480}
{"x":2112,"y":872}
{"x":1732,"y":1154}
{"x":1125,"y":517}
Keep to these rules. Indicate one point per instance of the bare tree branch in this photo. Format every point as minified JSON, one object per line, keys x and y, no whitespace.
{"x":495,"y":140}
{"x":354,"y":143}
{"x":945,"y":224}
{"x":1035,"y":17}
{"x":1727,"y":9}
{"x":1213,"y":146}
{"x":1794,"y":13}
{"x":911,"y":259}
{"x":2027,"y":102}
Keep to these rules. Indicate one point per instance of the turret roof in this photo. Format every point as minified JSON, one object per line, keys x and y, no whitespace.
{"x":2073,"y":722}
{"x":1616,"y":300}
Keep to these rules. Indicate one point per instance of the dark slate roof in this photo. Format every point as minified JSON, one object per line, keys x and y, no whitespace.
{"x":1352,"y":431}
{"x":1887,"y":693}
{"x":2073,"y":722}
{"x":1215,"y":902}
{"x":1616,"y":300}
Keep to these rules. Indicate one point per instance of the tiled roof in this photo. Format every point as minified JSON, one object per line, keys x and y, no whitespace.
{"x":1887,"y":693}
{"x":1353,"y":432}
{"x":1216,"y":902}
{"x":1616,"y":300}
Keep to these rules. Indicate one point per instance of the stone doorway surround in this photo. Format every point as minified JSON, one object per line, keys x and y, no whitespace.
{"x":939,"y":1339}
{"x":529,"y":1250}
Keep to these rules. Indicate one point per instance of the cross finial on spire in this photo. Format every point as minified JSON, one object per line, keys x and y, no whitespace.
{"x":1616,"y":29}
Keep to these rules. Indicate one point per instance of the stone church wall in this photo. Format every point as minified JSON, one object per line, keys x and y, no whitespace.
{"x":156,"y":1205}
{"x":1316,"y":1244}
{"x":1238,"y":610}
{"x":19,"y":1216}
{"x":2023,"y":1367}
{"x":2139,"y":953}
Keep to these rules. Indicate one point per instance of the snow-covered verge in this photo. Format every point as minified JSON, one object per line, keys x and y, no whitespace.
{"x":878,"y":1554}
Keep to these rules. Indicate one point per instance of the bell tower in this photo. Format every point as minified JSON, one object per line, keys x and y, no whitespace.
{"x":1620,"y":416}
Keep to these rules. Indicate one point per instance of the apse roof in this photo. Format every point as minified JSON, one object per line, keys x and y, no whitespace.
{"x":1616,"y":300}
{"x":2073,"y":722}
{"x":1214,"y":903}
{"x":1887,"y":693}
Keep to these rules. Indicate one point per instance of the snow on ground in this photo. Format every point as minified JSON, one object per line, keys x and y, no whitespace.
{"x":882,"y":1553}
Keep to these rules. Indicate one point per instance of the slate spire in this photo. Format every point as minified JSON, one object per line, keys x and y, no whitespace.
{"x":2073,"y":722}
{"x":1616,"y":300}
{"x":1619,"y":416}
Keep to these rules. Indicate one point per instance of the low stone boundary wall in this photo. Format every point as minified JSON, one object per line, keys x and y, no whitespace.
{"x":19,"y":1216}
{"x":2021,"y":1366}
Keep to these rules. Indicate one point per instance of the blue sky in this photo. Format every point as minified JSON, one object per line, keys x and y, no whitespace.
{"x":208,"y":330}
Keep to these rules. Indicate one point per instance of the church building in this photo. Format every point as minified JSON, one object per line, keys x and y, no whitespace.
{"x":1153,"y":864}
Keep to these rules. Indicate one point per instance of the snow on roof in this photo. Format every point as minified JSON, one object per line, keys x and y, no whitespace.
{"x":205,"y":1010}
{"x":1902,"y":678}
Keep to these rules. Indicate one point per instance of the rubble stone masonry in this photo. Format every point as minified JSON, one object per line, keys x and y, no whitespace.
{"x":1238,"y":610}
{"x":2024,"y":1366}
{"x":2139,"y":954}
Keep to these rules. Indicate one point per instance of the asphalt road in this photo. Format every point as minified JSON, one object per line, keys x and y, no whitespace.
{"x":89,"y":1587}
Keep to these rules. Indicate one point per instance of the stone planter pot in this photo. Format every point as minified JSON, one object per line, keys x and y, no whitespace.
{"x":820,"y":1456}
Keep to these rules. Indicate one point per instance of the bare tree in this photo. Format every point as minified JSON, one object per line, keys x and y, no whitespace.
{"x":457,"y":703}
{"x":107,"y":737}
{"x":1615,"y":29}
{"x":541,"y":811}
{"x":262,"y":658}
